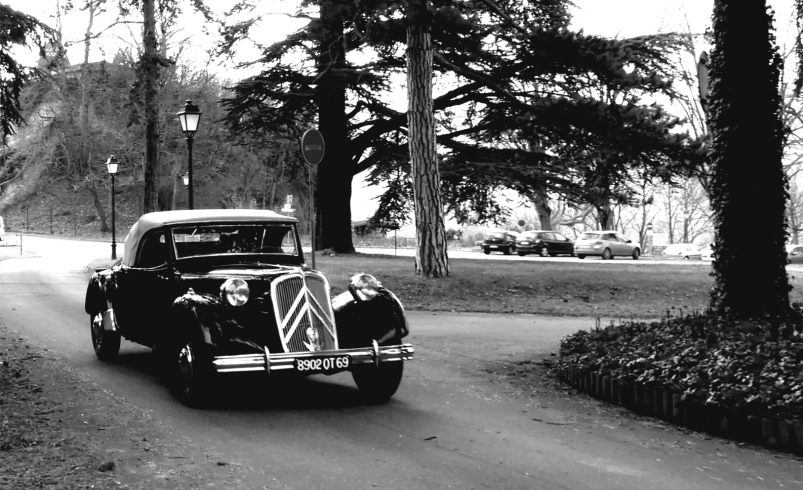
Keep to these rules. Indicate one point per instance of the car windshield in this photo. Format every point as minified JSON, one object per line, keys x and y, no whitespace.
{"x":275,"y":239}
{"x":589,"y":236}
{"x":494,"y":235}
{"x":528,"y":235}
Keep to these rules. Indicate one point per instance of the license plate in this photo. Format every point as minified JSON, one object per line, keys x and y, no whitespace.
{"x":492,"y":246}
{"x":322,"y":364}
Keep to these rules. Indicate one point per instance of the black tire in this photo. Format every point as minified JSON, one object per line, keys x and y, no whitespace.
{"x":190,"y":369}
{"x":106,"y":343}
{"x":378,"y":384}
{"x":606,"y":254}
{"x":522,"y":254}
{"x":487,"y":252}
{"x":544,"y":252}
{"x":637,"y":254}
{"x":580,"y":256}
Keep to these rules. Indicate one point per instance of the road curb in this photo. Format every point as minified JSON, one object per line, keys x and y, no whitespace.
{"x":668,"y":405}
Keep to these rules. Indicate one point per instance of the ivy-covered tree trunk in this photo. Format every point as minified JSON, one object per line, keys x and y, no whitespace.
{"x":333,"y":195}
{"x":150,"y":74}
{"x":747,"y":179}
{"x":542,"y":209}
{"x":431,"y":258}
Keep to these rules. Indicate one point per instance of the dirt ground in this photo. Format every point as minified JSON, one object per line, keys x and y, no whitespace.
{"x":60,"y":431}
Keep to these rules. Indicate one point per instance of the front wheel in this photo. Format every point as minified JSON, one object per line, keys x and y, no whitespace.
{"x":378,"y":383}
{"x":487,"y":252}
{"x":105,"y":342}
{"x":637,"y":254}
{"x":606,"y":254}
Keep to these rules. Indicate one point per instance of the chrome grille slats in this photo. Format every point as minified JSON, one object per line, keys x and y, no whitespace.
{"x":321,"y":309}
{"x":300,"y":304}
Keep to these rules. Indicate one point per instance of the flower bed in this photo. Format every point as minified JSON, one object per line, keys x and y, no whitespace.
{"x":730,"y":379}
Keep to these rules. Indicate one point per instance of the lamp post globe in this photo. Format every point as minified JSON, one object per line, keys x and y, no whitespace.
{"x":189,"y":117}
{"x":111,"y":166}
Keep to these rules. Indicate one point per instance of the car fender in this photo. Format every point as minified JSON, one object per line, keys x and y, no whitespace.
{"x":359,"y":323}
{"x":205,"y":317}
{"x":99,"y":292}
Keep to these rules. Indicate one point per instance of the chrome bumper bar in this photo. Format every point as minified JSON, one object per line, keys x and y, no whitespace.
{"x":281,"y":362}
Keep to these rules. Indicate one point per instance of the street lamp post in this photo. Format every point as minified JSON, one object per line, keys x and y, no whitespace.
{"x":189,"y":117}
{"x":186,"y":179}
{"x":111,"y":166}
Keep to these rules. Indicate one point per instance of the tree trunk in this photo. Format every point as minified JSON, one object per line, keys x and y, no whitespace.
{"x":605,"y":216}
{"x":98,"y":205}
{"x":333,"y":200}
{"x":431,"y":259}
{"x":541,"y":203}
{"x":83,"y":160}
{"x":748,"y":184}
{"x":150,"y":73}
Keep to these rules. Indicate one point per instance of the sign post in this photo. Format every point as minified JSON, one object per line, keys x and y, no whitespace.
{"x":313,"y":148}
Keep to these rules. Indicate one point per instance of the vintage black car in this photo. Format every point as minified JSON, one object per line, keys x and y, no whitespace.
{"x":216,"y":292}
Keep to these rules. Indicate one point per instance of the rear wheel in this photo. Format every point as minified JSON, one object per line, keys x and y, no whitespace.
{"x":378,"y":383}
{"x":606,"y":254}
{"x":105,"y":342}
{"x":637,"y":254}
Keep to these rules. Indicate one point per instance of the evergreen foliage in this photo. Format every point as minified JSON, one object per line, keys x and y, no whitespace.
{"x":524,"y":102}
{"x":20,"y":29}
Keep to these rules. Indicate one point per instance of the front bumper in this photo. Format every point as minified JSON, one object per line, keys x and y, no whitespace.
{"x":288,"y":361}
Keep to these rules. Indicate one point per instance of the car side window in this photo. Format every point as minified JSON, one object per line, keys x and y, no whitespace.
{"x":152,"y":252}
{"x":609,"y":236}
{"x":550,"y":236}
{"x":560,"y":237}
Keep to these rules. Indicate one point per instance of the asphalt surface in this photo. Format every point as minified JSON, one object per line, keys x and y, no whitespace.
{"x":455,"y":422}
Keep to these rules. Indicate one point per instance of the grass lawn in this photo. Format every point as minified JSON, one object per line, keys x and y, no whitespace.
{"x":539,"y":287}
{"x":549,"y":288}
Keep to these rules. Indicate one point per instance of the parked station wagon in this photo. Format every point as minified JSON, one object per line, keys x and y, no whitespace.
{"x":220,"y":292}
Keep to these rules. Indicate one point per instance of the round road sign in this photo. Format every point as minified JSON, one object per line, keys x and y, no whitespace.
{"x":312,"y":146}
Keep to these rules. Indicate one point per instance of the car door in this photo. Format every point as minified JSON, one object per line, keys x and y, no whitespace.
{"x":624,"y":245}
{"x":562,"y":244}
{"x":145,"y":291}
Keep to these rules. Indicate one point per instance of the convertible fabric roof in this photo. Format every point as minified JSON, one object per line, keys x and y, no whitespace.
{"x":158,"y":219}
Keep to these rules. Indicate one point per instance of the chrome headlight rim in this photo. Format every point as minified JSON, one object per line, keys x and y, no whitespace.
{"x":364,"y":287}
{"x":235,"y":291}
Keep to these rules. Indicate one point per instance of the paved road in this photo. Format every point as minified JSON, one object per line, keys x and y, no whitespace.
{"x":455,"y":423}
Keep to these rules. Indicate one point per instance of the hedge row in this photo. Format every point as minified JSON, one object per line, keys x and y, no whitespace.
{"x":672,"y":406}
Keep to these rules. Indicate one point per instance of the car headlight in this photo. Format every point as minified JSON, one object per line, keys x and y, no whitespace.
{"x":364,"y":287}
{"x":235,"y":291}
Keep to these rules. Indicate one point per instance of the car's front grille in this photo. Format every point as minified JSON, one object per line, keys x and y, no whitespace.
{"x":304,"y":313}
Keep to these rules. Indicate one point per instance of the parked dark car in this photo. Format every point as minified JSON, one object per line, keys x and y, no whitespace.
{"x":217,"y":292}
{"x":544,"y":243}
{"x":499,"y":241}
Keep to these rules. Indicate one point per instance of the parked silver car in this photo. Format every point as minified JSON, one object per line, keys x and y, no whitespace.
{"x":606,"y":244}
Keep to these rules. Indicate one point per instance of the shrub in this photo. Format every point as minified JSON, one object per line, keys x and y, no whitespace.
{"x":734,"y":366}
